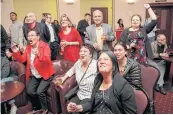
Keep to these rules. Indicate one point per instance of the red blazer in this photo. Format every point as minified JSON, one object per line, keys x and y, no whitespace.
{"x":43,"y":63}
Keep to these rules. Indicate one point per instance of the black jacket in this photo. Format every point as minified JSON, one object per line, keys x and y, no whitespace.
{"x":41,"y":28}
{"x":4,"y":41}
{"x":82,"y":27}
{"x":145,"y":30}
{"x":132,"y":72}
{"x":122,"y":97}
{"x":57,"y":39}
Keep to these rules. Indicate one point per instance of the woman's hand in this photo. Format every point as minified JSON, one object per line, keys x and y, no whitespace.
{"x":60,"y":80}
{"x":8,"y":53}
{"x":71,"y":107}
{"x":147,"y":6}
{"x":14,"y":48}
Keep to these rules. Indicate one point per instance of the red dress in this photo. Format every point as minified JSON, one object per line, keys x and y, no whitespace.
{"x":118,"y":32}
{"x":71,"y":52}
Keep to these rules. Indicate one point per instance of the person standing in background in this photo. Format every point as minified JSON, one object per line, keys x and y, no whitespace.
{"x":83,"y":24}
{"x":57,"y":26}
{"x":54,"y":38}
{"x":119,"y":29}
{"x":16,"y":33}
{"x":70,"y":40}
{"x":43,"y":17}
{"x":152,"y":34}
{"x":99,"y":34}
{"x":36,"y":26}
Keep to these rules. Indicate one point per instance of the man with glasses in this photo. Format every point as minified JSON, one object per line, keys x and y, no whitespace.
{"x":36,"y":26}
{"x":54,"y":38}
{"x":159,"y":48}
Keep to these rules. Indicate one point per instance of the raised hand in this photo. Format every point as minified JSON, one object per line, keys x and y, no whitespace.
{"x":8,"y":53}
{"x":14,"y":48}
{"x":146,"y":6}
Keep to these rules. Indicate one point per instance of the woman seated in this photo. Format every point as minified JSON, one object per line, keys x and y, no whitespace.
{"x":129,"y":68}
{"x":85,"y":70}
{"x":111,"y":92}
{"x":39,"y":68}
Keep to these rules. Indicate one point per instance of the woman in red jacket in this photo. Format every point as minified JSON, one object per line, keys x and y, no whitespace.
{"x":39,"y":68}
{"x":70,"y":39}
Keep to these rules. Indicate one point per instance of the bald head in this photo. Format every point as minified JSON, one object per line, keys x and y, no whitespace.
{"x":161,"y":39}
{"x":31,"y":17}
{"x":97,"y":17}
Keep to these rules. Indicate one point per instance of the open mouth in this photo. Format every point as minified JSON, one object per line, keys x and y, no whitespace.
{"x":30,"y":41}
{"x":82,"y":57}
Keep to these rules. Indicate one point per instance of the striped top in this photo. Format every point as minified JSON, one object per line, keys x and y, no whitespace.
{"x":87,"y":83}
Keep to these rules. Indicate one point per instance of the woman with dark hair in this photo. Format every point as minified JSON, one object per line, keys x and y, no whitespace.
{"x":85,"y":70}
{"x":112,"y":94}
{"x":119,"y":29}
{"x":70,"y":39}
{"x":128,"y":68}
{"x":136,"y":38}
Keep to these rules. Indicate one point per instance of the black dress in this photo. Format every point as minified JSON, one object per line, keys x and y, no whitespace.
{"x":101,"y":102}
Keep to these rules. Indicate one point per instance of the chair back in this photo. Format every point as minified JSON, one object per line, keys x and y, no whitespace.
{"x":150,"y":76}
{"x":19,"y":70}
{"x":62,"y":66}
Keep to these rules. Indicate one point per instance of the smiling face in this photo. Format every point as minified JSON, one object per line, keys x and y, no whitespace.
{"x":120,"y":52}
{"x":136,"y":21}
{"x":161,"y":39}
{"x":31,"y":17}
{"x":97,"y":17}
{"x":105,"y":64}
{"x":33,"y":38}
{"x":85,"y":54}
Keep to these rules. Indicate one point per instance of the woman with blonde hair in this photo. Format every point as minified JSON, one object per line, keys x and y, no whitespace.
{"x":70,"y":39}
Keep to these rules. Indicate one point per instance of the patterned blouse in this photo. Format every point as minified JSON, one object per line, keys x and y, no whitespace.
{"x":138,"y":52}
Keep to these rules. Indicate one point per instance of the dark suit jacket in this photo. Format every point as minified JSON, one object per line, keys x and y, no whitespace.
{"x":82,"y":27}
{"x":41,"y":28}
{"x":57,"y":39}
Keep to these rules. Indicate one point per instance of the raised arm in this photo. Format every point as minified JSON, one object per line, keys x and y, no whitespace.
{"x":152,"y":24}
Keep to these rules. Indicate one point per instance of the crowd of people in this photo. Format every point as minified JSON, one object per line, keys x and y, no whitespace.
{"x":106,"y":75}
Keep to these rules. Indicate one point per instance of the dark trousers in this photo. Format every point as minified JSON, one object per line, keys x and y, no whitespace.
{"x":54,"y":47}
{"x":36,"y":91}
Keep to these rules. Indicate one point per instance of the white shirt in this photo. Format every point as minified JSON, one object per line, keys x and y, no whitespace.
{"x":87,"y":83}
{"x":33,"y":69}
{"x":99,"y":33}
{"x":52,"y":37}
